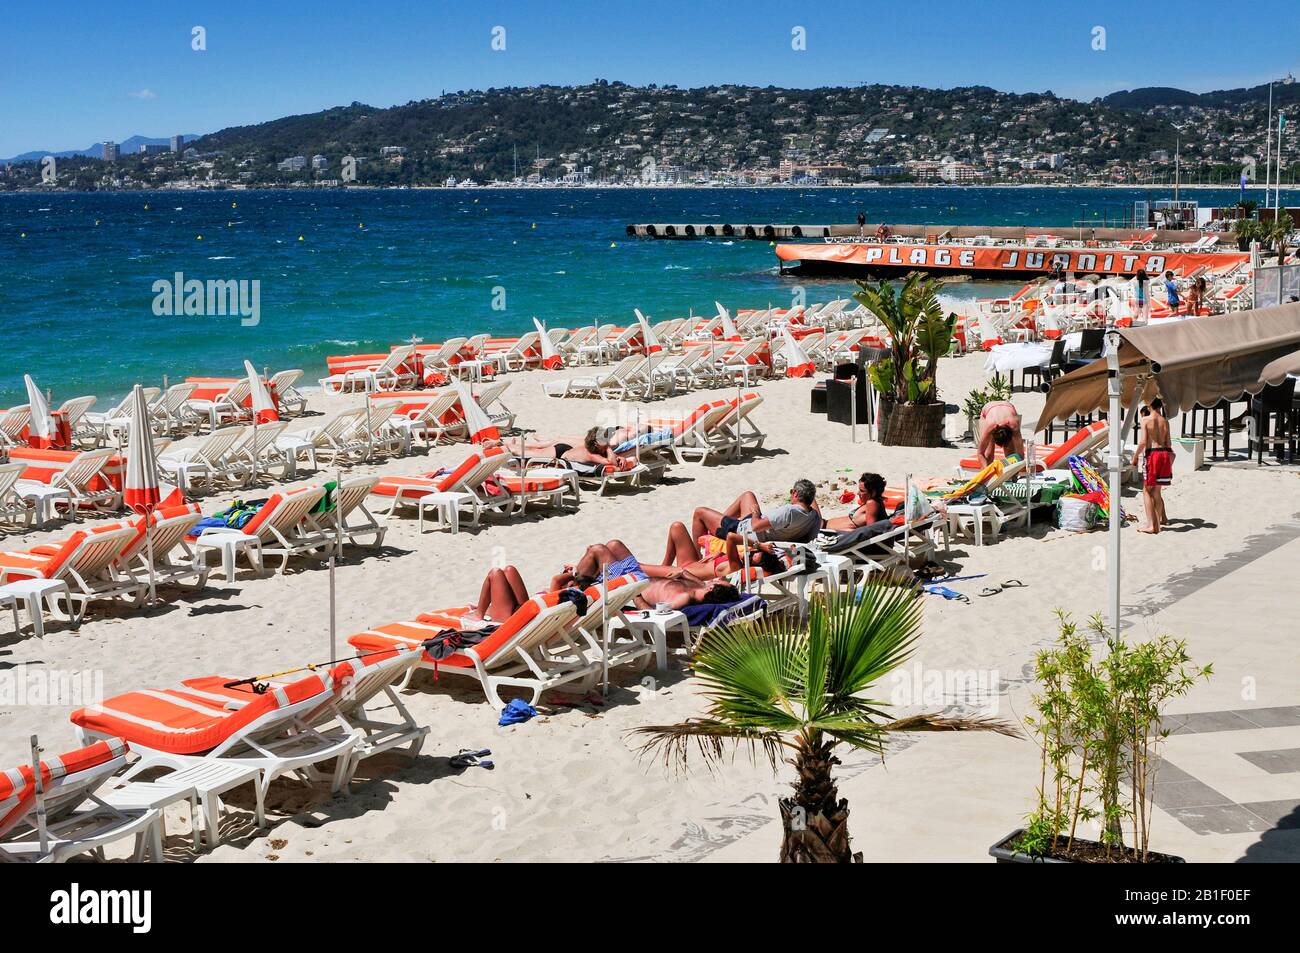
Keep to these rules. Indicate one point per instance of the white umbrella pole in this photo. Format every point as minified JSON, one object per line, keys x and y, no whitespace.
{"x":148,"y":547}
{"x":42,"y":830}
{"x":332,"y":627}
{"x":256,"y":449}
{"x":604,"y":630}
{"x":1116,"y":464}
{"x":370,"y":436}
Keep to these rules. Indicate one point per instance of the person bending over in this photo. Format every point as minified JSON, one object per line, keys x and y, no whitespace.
{"x":870,"y":509}
{"x":999,"y":414}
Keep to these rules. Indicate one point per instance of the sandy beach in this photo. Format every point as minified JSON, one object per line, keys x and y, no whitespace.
{"x":571,"y":784}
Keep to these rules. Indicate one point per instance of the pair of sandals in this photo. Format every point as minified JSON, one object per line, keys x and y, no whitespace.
{"x":1008,"y":584}
{"x":471,"y":759}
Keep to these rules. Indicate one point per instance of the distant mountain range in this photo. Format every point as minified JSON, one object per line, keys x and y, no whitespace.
{"x":96,"y":150}
{"x":1285,"y":94}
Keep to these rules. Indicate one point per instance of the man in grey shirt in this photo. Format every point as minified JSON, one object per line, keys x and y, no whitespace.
{"x":795,"y":522}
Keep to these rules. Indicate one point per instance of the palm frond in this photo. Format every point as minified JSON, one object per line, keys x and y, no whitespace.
{"x":711,"y":739}
{"x":955,"y":723}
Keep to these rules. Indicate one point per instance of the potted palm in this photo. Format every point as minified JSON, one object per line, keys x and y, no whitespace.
{"x":1278,"y":234}
{"x":911,"y":410}
{"x":1097,"y":717}
{"x":797,"y":691}
{"x":1246,"y":230}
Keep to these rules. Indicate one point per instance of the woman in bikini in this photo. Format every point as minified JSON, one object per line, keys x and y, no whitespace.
{"x":593,"y":448}
{"x":871,"y":506}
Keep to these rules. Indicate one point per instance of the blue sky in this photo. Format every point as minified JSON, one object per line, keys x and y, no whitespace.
{"x":84,"y":71}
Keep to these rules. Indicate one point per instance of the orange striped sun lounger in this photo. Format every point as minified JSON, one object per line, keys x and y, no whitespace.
{"x":535,"y":649}
{"x":178,"y":727}
{"x":357,"y":683}
{"x":86,"y":562}
{"x":75,"y":821}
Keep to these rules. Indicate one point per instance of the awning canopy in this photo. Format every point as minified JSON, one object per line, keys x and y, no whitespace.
{"x":1199,"y":361}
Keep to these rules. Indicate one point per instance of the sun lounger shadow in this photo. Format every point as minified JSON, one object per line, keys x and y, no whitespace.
{"x":217,"y":610}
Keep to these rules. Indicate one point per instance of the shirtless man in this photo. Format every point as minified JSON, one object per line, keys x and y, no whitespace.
{"x":795,"y":522}
{"x":613,"y":559}
{"x":1153,"y":440}
{"x":999,"y":414}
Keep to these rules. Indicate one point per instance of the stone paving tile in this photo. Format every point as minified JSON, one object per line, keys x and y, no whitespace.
{"x":1282,"y":717}
{"x":1283,"y":815}
{"x":1279,"y":761}
{"x":1206,"y":721}
{"x":1169,"y":773}
{"x":1193,"y":793}
{"x":1221,"y":819}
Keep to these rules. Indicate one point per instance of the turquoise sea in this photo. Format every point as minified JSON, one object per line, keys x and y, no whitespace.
{"x":372,"y":268}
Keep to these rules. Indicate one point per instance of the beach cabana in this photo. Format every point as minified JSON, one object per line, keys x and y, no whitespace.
{"x":1198,"y":361}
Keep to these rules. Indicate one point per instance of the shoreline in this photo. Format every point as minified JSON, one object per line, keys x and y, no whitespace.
{"x":779,"y":187}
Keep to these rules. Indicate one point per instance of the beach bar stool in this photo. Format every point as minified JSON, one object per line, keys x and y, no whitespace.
{"x":35,"y":594}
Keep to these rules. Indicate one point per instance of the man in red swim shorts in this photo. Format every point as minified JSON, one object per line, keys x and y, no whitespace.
{"x":1154,"y":441}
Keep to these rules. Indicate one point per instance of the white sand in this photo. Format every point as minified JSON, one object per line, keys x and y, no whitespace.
{"x":571,"y":785}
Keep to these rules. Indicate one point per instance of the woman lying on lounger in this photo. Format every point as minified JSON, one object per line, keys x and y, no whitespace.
{"x":593,"y":448}
{"x":502,"y":593}
{"x":668,"y":584}
{"x":870,"y":509}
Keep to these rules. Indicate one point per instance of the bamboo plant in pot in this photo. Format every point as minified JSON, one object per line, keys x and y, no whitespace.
{"x":911,"y":410}
{"x":1097,"y":717}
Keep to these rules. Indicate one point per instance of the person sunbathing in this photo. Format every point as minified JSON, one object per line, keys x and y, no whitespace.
{"x":795,"y":522}
{"x":668,"y":584}
{"x":502,"y":593}
{"x":870,"y":509}
{"x":711,"y":557}
{"x":592,"y":448}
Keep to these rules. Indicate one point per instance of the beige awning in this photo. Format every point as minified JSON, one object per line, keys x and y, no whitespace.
{"x":1200,"y":361}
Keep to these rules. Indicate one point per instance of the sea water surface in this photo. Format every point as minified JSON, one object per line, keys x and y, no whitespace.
{"x":359,"y":270}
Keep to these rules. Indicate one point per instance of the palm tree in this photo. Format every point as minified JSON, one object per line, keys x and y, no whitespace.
{"x":919,"y":334}
{"x":1278,"y":234}
{"x":796,"y":692}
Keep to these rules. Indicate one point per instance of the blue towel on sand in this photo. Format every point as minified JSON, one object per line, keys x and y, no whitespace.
{"x":517,"y":712}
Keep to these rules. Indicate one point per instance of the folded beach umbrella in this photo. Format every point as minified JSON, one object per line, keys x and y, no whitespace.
{"x":142,"y":491}
{"x":729,"y":330}
{"x":42,"y":430}
{"x":797,"y":363}
{"x":648,"y":339}
{"x":264,"y":411}
{"x":551,"y":359}
{"x":477,"y":422}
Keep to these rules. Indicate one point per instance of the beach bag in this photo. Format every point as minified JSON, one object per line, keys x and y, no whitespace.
{"x":1076,"y":514}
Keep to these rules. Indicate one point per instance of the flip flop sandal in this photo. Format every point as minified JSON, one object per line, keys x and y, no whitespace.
{"x":990,"y":590}
{"x":1014,"y":584}
{"x":470,"y":759}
